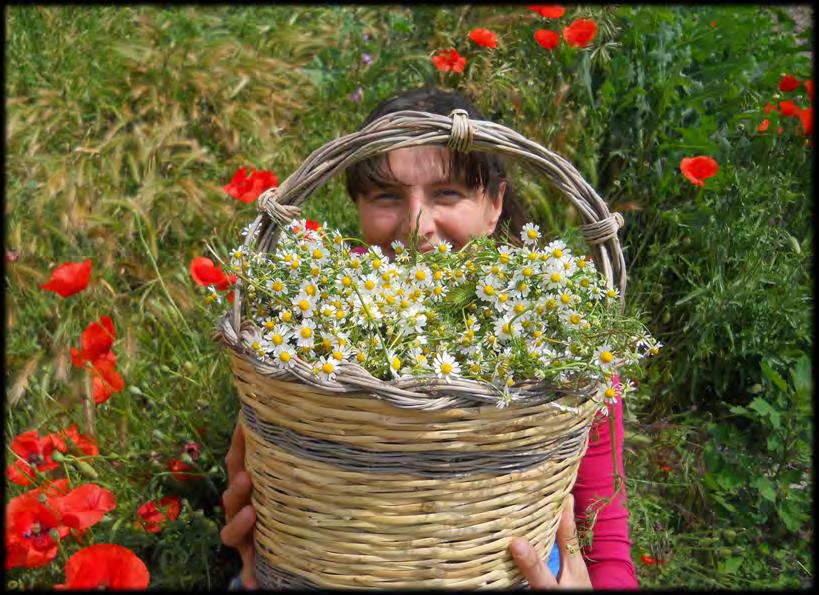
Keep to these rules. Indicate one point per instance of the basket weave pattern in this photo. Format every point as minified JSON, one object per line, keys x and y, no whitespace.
{"x":415,"y":482}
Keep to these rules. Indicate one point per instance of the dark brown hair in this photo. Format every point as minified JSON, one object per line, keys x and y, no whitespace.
{"x":477,"y":169}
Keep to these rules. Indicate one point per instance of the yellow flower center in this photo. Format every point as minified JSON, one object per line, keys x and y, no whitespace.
{"x":369,"y":284}
{"x":575,"y":318}
{"x":338,"y":355}
{"x":504,"y":258}
{"x":611,"y":293}
{"x":284,"y":356}
{"x":606,"y":357}
{"x":555,"y":277}
{"x":557,"y":252}
{"x":376,"y":263}
{"x":527,"y":271}
{"x":287,"y":316}
{"x":488,"y":290}
{"x":360,"y":357}
{"x":446,"y":368}
{"x":551,"y":303}
{"x":506,"y":328}
{"x":310,"y":290}
{"x":420,"y":275}
{"x":565,"y":298}
{"x":346,"y":281}
{"x":519,"y":308}
{"x":327,"y":367}
{"x":584,"y":282}
{"x":255,"y":345}
{"x":269,"y":324}
{"x":396,"y":363}
{"x":306,"y":332}
{"x":317,"y":253}
{"x":277,"y":340}
{"x":438,"y":275}
{"x":610,"y":393}
{"x":532,"y":234}
{"x":304,"y":305}
{"x":503,"y":298}
{"x":277,"y":285}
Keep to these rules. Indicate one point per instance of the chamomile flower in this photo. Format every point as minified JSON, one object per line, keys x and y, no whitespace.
{"x":555,"y":249}
{"x":275,"y":285}
{"x":604,"y":357}
{"x":304,"y":304}
{"x":445,"y":366}
{"x":505,"y":254}
{"x":530,"y":234}
{"x":506,"y":328}
{"x":306,"y":333}
{"x":369,"y":283}
{"x":328,"y":368}
{"x":487,"y":289}
{"x":278,"y":335}
{"x":607,"y":393}
{"x":284,"y":356}
{"x":443,"y":247}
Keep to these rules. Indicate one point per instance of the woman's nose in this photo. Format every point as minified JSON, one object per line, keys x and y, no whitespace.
{"x":420,"y":217}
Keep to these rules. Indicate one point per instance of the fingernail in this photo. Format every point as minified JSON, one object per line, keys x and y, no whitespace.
{"x":518,"y":549}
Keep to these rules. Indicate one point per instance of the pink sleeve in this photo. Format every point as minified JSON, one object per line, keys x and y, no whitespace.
{"x":609,"y":557}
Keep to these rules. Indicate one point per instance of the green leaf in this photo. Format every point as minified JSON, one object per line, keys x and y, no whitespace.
{"x":773,"y":376}
{"x":792,"y":521}
{"x":801,"y":375}
{"x":766,"y":488}
{"x":732,"y":564}
{"x":761,"y":406}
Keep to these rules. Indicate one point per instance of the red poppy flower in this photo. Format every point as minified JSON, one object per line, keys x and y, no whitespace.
{"x":105,"y":379}
{"x":86,"y":444}
{"x":447,"y":60}
{"x":547,"y":39}
{"x":779,"y":130}
{"x":713,"y":23}
{"x":69,"y":278}
{"x":36,"y":453}
{"x":697,"y":169}
{"x":788,"y":83}
{"x":484,"y":38}
{"x":205,"y":273}
{"x":105,"y":565}
{"x":809,"y":87}
{"x":788,"y":108}
{"x":763,"y":125}
{"x":178,"y":469}
{"x":664,"y":467}
{"x":770,"y":107}
{"x":806,"y":116}
{"x":646,"y":559}
{"x":580,"y":33}
{"x":248,"y":188}
{"x":97,"y":340}
{"x":153,"y":516}
{"x":84,"y":506}
{"x":230,"y":296}
{"x":312,"y":225}
{"x":29,"y":522}
{"x":549,"y":11}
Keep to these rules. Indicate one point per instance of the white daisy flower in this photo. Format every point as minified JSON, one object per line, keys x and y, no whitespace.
{"x":443,"y":247}
{"x":530,"y":233}
{"x":506,"y":328}
{"x":505,"y":254}
{"x":487,"y":289}
{"x":328,"y":368}
{"x":304,"y":305}
{"x":278,"y":335}
{"x":369,"y":283}
{"x":604,"y":357}
{"x":284,"y":356}
{"x":445,"y":366}
{"x":306,"y":333}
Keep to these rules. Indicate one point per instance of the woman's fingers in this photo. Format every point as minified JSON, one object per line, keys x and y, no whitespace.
{"x":235,"y":458}
{"x":573,"y":571}
{"x":531,"y":566}
{"x":249,"y":567}
{"x":237,"y":494}
{"x":238,"y":531}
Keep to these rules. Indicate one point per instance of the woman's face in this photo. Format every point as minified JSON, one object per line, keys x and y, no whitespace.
{"x":443,"y":209}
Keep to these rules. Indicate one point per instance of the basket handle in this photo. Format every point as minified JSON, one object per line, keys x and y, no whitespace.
{"x":279,"y":206}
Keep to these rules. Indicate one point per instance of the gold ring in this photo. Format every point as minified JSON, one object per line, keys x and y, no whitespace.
{"x":572,"y":549}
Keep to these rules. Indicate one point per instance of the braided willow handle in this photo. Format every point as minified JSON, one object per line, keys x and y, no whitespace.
{"x":279,"y":206}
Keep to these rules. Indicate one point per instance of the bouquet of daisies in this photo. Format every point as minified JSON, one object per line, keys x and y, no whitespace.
{"x":499,"y":312}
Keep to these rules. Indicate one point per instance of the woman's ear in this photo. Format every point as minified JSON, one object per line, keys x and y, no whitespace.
{"x":494,"y":208}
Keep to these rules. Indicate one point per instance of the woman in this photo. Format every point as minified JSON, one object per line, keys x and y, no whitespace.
{"x":444,"y":195}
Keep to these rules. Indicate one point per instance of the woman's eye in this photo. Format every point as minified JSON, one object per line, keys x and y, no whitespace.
{"x":385,"y":196}
{"x":448,"y":193}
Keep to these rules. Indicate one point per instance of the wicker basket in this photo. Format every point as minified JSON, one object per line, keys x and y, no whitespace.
{"x":362,"y":483}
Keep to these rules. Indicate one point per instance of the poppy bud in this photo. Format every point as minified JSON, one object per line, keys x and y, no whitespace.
{"x":54,"y":534}
{"x":135,"y":390}
{"x":57,"y":456}
{"x":87,"y":470}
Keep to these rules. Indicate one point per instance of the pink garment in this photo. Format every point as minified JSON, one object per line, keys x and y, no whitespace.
{"x":609,"y":557}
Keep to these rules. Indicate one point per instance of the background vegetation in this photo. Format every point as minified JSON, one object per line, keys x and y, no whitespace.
{"x":122,"y":124}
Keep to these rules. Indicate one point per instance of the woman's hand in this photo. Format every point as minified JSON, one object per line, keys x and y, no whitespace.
{"x":573,"y":572}
{"x":239,"y":512}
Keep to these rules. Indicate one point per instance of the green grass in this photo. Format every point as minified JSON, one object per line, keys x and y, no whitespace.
{"x":124,"y":123}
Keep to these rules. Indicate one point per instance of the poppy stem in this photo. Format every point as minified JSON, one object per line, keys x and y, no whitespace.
{"x":88,"y":406}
